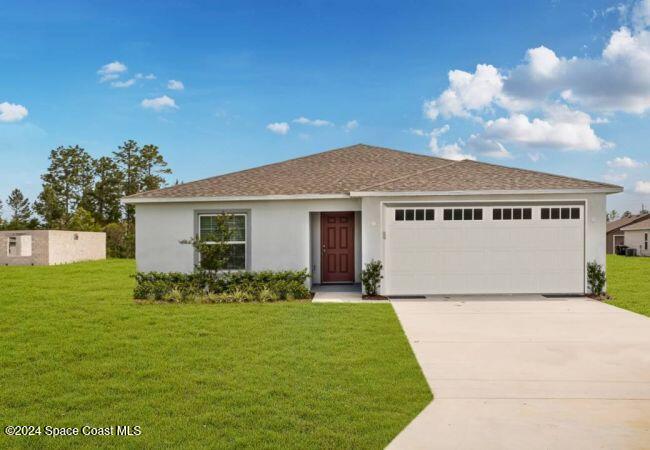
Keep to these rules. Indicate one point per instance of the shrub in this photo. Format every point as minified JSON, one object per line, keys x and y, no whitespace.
{"x":120,"y":242}
{"x":371,"y":277}
{"x":213,"y":248}
{"x":596,"y":278}
{"x":229,"y":287}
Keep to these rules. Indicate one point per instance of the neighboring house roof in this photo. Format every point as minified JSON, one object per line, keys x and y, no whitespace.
{"x":642,"y":225}
{"x":624,"y":221}
{"x":365,"y":169}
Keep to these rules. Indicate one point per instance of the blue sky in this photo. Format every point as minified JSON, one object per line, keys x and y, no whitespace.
{"x":562,"y":87}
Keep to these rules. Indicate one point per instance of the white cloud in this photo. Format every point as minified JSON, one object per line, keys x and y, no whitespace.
{"x":641,"y":15}
{"x":418,"y":132}
{"x":111,"y":71}
{"x":123,"y":84}
{"x":449,"y":151}
{"x":141,"y":76}
{"x":612,"y":177}
{"x":315,"y":122}
{"x":552,"y":101}
{"x":625,"y":162}
{"x":487,"y":147}
{"x":12,"y":112}
{"x":351,"y":125}
{"x":534,"y":156}
{"x":467,"y":93}
{"x":642,"y":187}
{"x":561,"y":128}
{"x":175,"y":85}
{"x":159,"y":103}
{"x":618,"y":80}
{"x":278,"y":127}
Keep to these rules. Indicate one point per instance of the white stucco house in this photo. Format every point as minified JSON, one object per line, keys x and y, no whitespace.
{"x":637,"y":236}
{"x":438,"y":226}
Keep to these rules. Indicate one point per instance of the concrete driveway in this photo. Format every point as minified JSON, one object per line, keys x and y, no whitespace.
{"x":528,"y":373}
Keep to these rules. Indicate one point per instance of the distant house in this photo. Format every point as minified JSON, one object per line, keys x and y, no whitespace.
{"x":615,"y":235}
{"x":49,"y":247}
{"x":437,"y":226}
{"x":637,"y":236}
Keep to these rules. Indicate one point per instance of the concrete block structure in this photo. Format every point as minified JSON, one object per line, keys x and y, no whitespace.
{"x":50,"y":247}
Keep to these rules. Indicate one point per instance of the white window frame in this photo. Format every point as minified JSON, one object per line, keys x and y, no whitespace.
{"x":229,"y":242}
{"x":14,"y":240}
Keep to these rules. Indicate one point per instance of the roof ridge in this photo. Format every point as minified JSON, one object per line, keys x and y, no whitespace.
{"x":282,"y":162}
{"x":539,"y":172}
{"x":418,"y":172}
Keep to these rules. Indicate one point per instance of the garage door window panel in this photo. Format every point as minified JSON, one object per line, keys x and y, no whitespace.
{"x":575,"y":213}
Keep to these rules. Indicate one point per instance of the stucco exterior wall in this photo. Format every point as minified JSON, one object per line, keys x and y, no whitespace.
{"x":73,"y":246}
{"x":636,"y":240}
{"x":39,"y":256}
{"x":51,"y":247}
{"x":284,"y":234}
{"x":595,"y":218}
{"x":279,"y":232}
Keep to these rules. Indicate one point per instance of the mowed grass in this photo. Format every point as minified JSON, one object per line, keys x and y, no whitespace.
{"x":76,"y":350}
{"x":628,"y":282}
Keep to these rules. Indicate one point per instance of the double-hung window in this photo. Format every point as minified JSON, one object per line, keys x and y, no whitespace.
{"x":236,"y":224}
{"x":646,"y":241}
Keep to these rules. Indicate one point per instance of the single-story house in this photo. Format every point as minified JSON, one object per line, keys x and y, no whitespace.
{"x":50,"y":247}
{"x":615,"y":236}
{"x":438,"y":226}
{"x":637,"y":236}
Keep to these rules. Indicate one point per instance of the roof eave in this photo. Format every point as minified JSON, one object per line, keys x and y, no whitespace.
{"x":633,"y":228}
{"x":603,"y":190}
{"x":239,"y":198}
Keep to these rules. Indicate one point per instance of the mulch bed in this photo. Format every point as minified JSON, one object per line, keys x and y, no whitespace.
{"x":373,"y":297}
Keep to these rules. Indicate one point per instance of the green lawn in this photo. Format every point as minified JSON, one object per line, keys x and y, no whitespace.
{"x":628,"y":282}
{"x":76,"y":350}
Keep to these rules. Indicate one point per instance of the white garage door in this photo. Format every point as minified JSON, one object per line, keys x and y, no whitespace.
{"x":473,"y":249}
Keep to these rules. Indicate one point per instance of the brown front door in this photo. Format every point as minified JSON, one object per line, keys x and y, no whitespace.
{"x":337,"y":247}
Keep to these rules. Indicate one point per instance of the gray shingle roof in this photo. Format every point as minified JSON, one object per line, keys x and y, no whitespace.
{"x":365,"y":168}
{"x":624,"y":221}
{"x":641,"y":225}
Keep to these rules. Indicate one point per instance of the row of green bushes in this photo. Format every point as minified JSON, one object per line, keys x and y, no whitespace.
{"x":229,"y":287}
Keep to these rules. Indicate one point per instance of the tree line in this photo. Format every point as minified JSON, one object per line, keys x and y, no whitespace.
{"x":613,"y":214}
{"x":82,"y":193}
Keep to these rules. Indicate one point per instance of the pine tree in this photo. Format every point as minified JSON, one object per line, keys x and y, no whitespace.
{"x":68,"y":179}
{"x":21,"y":212}
{"x":50,"y":208}
{"x":142,"y":169}
{"x":154,"y":167}
{"x":107,"y":191}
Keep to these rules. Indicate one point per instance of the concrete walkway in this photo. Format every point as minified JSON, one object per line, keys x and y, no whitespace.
{"x":529,"y":373}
